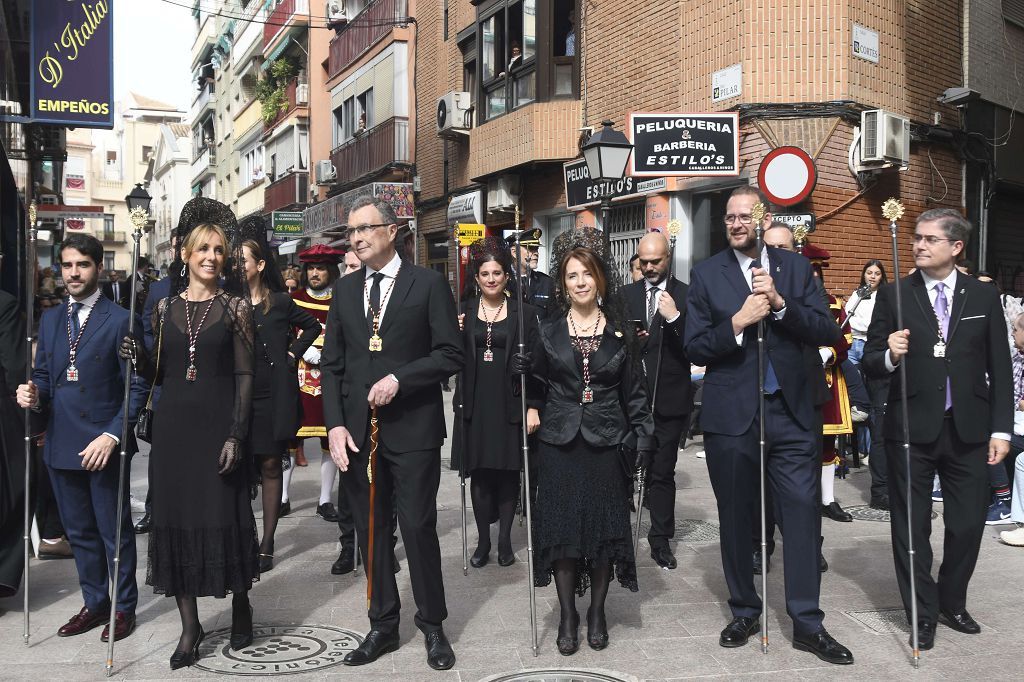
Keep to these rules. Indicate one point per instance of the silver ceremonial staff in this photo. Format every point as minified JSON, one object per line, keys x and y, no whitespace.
{"x":526,"y":446}
{"x":893,"y":210}
{"x":673,"y":232}
{"x":30,"y":296}
{"x":460,"y":389}
{"x":139,"y":217}
{"x":757,"y":216}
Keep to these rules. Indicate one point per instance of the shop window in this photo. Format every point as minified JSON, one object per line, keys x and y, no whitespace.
{"x":523,"y":53}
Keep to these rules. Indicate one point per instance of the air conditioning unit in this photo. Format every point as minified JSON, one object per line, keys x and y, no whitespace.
{"x":325,"y":172}
{"x":502,"y":194}
{"x":335,"y":13}
{"x":302,"y":93}
{"x":453,"y":114}
{"x":885,"y":138}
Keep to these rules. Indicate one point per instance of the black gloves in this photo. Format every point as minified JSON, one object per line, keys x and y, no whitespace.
{"x":645,"y":458}
{"x":129,"y":349}
{"x":521,"y":363}
{"x":230,"y":456}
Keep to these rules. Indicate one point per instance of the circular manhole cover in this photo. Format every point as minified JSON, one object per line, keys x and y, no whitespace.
{"x":278,"y":650}
{"x":561,"y":675}
{"x":866,"y":513}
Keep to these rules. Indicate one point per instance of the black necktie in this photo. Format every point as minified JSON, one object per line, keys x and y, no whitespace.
{"x":117,"y":299}
{"x":652,"y":303}
{"x":75,"y":307}
{"x":374,"y":300}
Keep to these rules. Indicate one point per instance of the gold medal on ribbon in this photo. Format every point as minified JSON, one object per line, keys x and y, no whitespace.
{"x":376,"y":343}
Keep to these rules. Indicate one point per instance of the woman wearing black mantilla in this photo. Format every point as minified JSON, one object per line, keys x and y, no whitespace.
{"x":595,"y":419}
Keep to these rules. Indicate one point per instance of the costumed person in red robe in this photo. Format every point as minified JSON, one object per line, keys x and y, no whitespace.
{"x":836,"y":414}
{"x":319,"y":273}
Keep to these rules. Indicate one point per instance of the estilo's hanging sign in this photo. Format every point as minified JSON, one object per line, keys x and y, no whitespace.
{"x":682,"y":145}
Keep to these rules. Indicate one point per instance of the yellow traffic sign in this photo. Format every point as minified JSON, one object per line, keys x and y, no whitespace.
{"x":469,"y":233}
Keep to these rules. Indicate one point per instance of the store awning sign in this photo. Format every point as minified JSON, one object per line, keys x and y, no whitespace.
{"x":684,"y":145}
{"x":469,"y":234}
{"x":72,"y":64}
{"x":287,"y":223}
{"x":581,"y":191}
{"x":466,"y":208}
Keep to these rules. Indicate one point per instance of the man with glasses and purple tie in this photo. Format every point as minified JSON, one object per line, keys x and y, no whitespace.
{"x":960,"y":409}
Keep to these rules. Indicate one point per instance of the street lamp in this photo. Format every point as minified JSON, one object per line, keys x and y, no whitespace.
{"x":139,"y":199}
{"x":606,"y":153}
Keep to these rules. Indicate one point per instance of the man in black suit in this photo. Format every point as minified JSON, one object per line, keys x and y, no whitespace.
{"x":116,"y":290}
{"x":960,"y":408}
{"x":729,"y":294}
{"x":391,"y":332}
{"x":12,"y":450}
{"x":659,"y":301}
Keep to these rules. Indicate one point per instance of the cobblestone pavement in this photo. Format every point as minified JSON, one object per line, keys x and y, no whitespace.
{"x":668,"y":630}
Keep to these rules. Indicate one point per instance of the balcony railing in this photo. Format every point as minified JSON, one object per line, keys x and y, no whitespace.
{"x":249,"y":116}
{"x":116,"y":237}
{"x":205,"y":98}
{"x":288,"y":191}
{"x":202,"y":162}
{"x":284,"y":15}
{"x":376,"y":20}
{"x":372,"y":150}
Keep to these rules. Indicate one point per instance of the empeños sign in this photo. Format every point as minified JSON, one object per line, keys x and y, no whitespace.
{"x":72,"y":63}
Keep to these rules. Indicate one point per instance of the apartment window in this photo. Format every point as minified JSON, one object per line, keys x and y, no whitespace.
{"x":526,"y":53}
{"x":108,"y":227}
{"x":251,"y":170}
{"x":147,"y":152}
{"x":348,"y":118}
{"x":108,"y":260}
{"x":111,"y":158}
{"x":364,"y":105}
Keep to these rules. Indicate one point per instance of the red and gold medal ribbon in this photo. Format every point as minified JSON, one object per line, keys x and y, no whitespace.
{"x":371,"y":465}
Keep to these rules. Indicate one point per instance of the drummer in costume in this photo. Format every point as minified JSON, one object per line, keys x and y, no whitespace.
{"x":837,"y":418}
{"x":319,"y":273}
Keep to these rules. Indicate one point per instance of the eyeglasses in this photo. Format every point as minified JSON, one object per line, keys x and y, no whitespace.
{"x":353,"y":230}
{"x":744,"y":219}
{"x":931,"y":240}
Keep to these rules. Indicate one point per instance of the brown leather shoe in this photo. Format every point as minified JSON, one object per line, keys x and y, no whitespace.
{"x":124,"y":625}
{"x":56,"y":550}
{"x":83,"y":621}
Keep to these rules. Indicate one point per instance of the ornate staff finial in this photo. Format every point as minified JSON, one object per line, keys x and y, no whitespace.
{"x":32,"y":214}
{"x":517,"y":216}
{"x":139,"y":217}
{"x":893,"y":209}
{"x":757,"y":212}
{"x":673,"y":227}
{"x":800,"y":235}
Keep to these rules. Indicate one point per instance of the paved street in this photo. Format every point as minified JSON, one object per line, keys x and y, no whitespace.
{"x":667,"y":631}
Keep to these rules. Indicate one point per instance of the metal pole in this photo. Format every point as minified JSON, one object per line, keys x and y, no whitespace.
{"x":673,"y":230}
{"x":30,"y":295}
{"x":139,"y":217}
{"x":758,"y":214}
{"x":893,"y":210}
{"x":525,"y":445}
{"x":459,"y":389}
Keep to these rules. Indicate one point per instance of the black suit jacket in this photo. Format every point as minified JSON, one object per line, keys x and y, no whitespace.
{"x":12,"y":340}
{"x":539,"y":291}
{"x":620,"y":413}
{"x":718,"y":290}
{"x":421,"y":347}
{"x":467,"y":382}
{"x":674,"y":396}
{"x":273,"y":332}
{"x":977,"y":361}
{"x":123,"y":292}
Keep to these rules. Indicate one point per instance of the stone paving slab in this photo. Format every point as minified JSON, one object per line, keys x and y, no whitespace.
{"x":668,"y":631}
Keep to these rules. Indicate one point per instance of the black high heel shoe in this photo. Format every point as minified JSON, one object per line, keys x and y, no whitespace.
{"x":597,"y":636}
{"x":266,"y":562}
{"x":241,"y":634}
{"x":481,"y":556}
{"x":568,"y":644}
{"x":183,"y":659}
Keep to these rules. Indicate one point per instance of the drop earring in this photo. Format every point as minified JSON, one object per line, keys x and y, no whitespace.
{"x":184,"y":269}
{"x":600,"y":301}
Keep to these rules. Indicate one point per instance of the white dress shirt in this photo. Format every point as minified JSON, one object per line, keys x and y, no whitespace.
{"x":929,"y":283}
{"x":748,"y":275}
{"x":390,"y":272}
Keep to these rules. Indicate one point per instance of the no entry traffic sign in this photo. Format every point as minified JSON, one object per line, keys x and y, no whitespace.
{"x":787,"y":176}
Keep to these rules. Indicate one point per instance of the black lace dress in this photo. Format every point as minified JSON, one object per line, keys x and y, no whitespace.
{"x":203,"y":539}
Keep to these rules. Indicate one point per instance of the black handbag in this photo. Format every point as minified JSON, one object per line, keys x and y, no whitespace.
{"x":144,"y":425}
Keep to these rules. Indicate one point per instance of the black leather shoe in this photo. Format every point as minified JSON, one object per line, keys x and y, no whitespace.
{"x":481,"y":556}
{"x":925,"y":635}
{"x":346,"y":562}
{"x":836,"y":513}
{"x":822,"y":564}
{"x":737,"y":632}
{"x":327,"y":512}
{"x":440,"y":655}
{"x":266,"y":562}
{"x":597,"y":630}
{"x":142,"y":527}
{"x":758,"y":563}
{"x":183,"y":659}
{"x":960,"y":621}
{"x":506,"y":558}
{"x":286,"y":509}
{"x":822,"y":645}
{"x":375,"y":645}
{"x":663,"y":557}
{"x":568,"y":639}
{"x":880,"y":503}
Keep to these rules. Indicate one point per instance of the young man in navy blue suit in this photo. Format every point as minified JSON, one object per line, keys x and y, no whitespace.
{"x":729,"y":294}
{"x":79,"y":380}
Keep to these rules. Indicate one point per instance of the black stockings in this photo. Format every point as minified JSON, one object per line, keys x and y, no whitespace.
{"x":241,"y":613}
{"x":495,"y":494}
{"x":600,"y":578}
{"x":270,"y":471}
{"x":190,"y":627}
{"x":565,"y":585}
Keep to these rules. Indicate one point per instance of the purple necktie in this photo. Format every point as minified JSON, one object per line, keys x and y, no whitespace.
{"x":942,"y":313}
